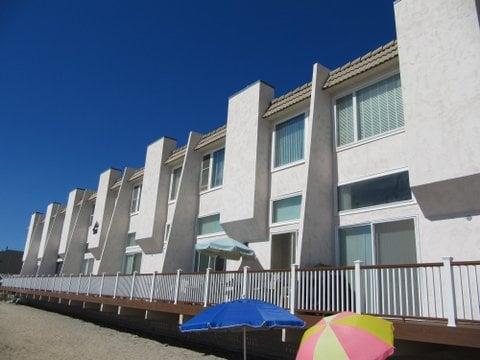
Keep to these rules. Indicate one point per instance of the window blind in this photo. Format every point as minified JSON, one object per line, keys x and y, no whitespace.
{"x":355,"y":244}
{"x":289,"y":141}
{"x":345,"y":127}
{"x":217,"y":171}
{"x":379,"y":107}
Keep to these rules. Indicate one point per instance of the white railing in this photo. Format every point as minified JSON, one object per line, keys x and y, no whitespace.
{"x":446,"y":290}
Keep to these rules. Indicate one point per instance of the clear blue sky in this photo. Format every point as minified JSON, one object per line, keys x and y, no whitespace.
{"x":86,"y":85}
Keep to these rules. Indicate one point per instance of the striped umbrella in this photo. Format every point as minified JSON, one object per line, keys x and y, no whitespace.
{"x":348,"y":336}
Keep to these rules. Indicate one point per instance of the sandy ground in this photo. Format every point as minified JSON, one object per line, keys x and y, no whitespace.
{"x":33,"y":334}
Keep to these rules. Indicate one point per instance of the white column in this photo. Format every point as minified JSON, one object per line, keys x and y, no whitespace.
{"x":116,"y":285}
{"x":69,"y":283}
{"x":101,"y":285}
{"x":358,"y":287}
{"x":207,"y":287}
{"x":89,"y":282}
{"x":152,"y":288}
{"x":293,"y":287}
{"x":449,"y":291}
{"x":133,"y":284}
{"x":177,"y":286}
{"x":245,"y":282}
{"x":78,"y":285}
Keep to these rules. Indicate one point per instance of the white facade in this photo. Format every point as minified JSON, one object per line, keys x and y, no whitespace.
{"x":316,"y":176}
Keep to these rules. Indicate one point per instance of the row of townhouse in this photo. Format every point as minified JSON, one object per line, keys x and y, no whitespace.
{"x":378,"y":160}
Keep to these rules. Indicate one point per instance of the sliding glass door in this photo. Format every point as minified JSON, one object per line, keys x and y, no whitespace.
{"x":395,"y":242}
{"x":384,"y":243}
{"x":355,"y":244}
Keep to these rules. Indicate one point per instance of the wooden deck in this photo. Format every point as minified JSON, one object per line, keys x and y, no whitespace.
{"x":466,"y":333}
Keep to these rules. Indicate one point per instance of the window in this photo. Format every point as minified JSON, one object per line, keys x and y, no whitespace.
{"x":286,"y":209}
{"x":212,"y":170}
{"x":167,"y":232}
{"x":131,"y":239}
{"x":289,"y":141}
{"x":217,"y":168}
{"x":175,"y":183}
{"x":135,"y":203}
{"x":205,"y":173}
{"x":382,"y":243}
{"x":87,"y":266}
{"x":370,"y":111}
{"x":166,"y":236}
{"x":355,"y":244}
{"x":202,"y":262}
{"x":90,"y":219}
{"x":58,"y":266}
{"x":209,"y":225}
{"x":381,"y":190}
{"x":131,"y":263}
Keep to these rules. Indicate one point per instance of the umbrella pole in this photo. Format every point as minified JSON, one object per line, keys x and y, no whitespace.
{"x":244,"y":343}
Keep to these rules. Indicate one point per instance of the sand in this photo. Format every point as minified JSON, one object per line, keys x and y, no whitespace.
{"x":33,"y":334}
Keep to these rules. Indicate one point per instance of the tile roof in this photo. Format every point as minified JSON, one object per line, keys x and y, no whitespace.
{"x":340,"y":74}
{"x":291,"y":98}
{"x":176,"y":154}
{"x":137,"y":174}
{"x":345,"y":72}
{"x":362,"y":64}
{"x":212,"y":136}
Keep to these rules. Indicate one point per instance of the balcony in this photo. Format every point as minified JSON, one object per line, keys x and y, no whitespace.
{"x":434,"y":302}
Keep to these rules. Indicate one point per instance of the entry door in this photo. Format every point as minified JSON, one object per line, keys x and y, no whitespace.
{"x":284,"y":250}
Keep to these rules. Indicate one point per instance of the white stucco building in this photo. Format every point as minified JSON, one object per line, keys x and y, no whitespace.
{"x":377,"y":160}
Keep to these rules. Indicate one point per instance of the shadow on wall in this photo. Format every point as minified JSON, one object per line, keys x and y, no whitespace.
{"x":454,"y":198}
{"x":252,"y":263}
{"x":477,"y":3}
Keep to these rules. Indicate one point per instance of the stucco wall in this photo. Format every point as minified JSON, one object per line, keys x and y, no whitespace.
{"x":117,"y":229}
{"x":32,"y":244}
{"x":440,"y":75}
{"x":315,"y":236}
{"x":181,"y":240}
{"x":247,"y":164}
{"x":52,"y":230}
{"x":71,"y":213}
{"x":76,"y":244}
{"x":104,"y":204}
{"x":153,"y":205}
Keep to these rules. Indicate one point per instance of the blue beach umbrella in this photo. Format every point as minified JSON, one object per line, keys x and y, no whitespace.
{"x":242,"y":313}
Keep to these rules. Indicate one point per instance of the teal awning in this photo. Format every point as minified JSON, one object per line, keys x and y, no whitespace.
{"x":226,"y":248}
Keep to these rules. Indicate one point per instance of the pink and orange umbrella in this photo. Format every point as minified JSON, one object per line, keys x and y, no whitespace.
{"x":348,"y":336}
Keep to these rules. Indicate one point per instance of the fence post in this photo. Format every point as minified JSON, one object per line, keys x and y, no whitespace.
{"x":207,"y":286}
{"x":101,"y":285}
{"x":69,"y":283}
{"x":133,"y":284}
{"x":89,"y":282}
{"x":293,"y":287}
{"x":53,"y":282}
{"x":152,"y":288}
{"x":358,"y":287}
{"x":177,"y":286}
{"x":116,"y":285}
{"x":245,"y":282}
{"x":79,"y":281}
{"x":449,"y":291}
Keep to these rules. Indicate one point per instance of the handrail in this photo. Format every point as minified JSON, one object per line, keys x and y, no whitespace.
{"x":437,"y":290}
